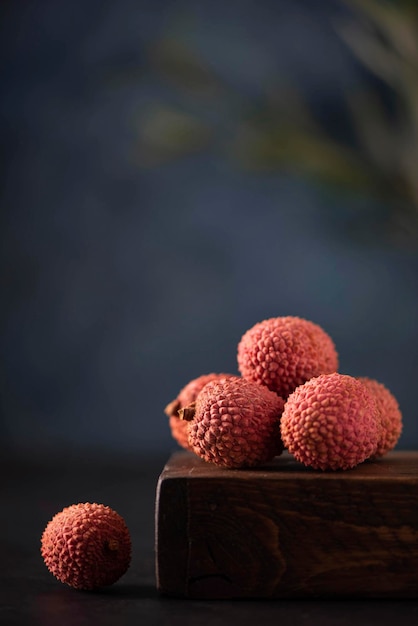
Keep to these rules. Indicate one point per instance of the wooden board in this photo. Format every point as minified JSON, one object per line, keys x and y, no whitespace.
{"x":285,"y":531}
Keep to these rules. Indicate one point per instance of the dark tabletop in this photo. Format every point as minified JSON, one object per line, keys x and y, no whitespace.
{"x":33,"y":490}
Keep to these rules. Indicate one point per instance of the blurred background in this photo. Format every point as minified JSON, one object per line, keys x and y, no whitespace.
{"x":173,"y":173}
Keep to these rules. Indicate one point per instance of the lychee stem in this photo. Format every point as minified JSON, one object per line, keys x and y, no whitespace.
{"x":172,"y":408}
{"x":113,"y":545}
{"x":187,"y":413}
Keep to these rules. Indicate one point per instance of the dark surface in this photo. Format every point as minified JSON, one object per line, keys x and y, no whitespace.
{"x":33,"y":491}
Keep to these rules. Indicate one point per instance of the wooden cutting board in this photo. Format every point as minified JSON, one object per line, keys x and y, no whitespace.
{"x":286,"y":531}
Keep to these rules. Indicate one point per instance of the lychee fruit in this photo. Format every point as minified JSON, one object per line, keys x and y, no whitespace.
{"x":186,"y":396}
{"x":331,"y":422}
{"x":389,"y":413}
{"x":235,"y":423}
{"x":284,"y":352}
{"x":86,"y":546}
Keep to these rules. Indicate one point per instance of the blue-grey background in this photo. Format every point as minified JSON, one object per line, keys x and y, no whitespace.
{"x":130,"y":267}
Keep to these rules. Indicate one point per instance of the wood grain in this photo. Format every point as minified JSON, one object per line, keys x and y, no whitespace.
{"x":284,"y":531}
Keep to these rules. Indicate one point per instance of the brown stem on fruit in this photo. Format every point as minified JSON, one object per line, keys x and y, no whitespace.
{"x":113,"y":545}
{"x":187,"y":412}
{"x":172,"y":408}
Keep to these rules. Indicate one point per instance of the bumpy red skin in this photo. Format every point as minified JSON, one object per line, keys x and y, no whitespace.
{"x":236,"y":423}
{"x":187,"y":395}
{"x":179,"y":431}
{"x":331,"y":423}
{"x":390,"y":416}
{"x":86,"y":546}
{"x":284,"y":352}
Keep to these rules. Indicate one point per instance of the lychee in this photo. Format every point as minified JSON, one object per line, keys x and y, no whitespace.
{"x":389,"y":413}
{"x":284,"y":352}
{"x":331,"y":422}
{"x":186,"y":396}
{"x":235,"y":423}
{"x":86,"y":546}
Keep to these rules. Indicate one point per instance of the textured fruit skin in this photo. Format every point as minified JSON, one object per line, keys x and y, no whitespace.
{"x":331,"y":423}
{"x":179,"y":431}
{"x":236,"y":423}
{"x":86,"y":546}
{"x":186,"y":396}
{"x":390,"y":415}
{"x":284,"y":352}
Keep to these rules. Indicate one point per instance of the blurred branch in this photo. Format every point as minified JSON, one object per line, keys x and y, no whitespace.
{"x":280,"y":131}
{"x":385,"y":38}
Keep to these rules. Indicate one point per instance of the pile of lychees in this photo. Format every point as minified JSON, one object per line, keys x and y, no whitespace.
{"x":289,"y":395}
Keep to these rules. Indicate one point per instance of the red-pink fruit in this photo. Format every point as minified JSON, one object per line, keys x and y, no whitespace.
{"x":331,"y":422}
{"x":86,"y":546}
{"x":284,"y":352}
{"x":235,"y":423}
{"x":389,"y":413}
{"x":186,"y":396}
{"x":179,"y":431}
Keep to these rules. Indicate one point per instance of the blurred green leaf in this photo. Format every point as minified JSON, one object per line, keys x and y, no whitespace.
{"x":397,"y":24}
{"x":165,"y":133}
{"x":181,"y":66}
{"x":302,"y":152}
